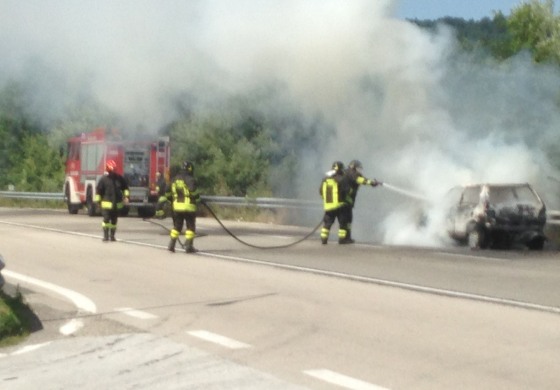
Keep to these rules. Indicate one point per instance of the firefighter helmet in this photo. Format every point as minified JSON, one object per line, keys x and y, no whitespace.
{"x":338,"y":166}
{"x":355,"y":164}
{"x":188,"y":166}
{"x":110,"y":166}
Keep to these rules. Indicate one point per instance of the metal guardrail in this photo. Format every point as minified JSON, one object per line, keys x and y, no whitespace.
{"x":219,"y":200}
{"x":32,"y":195}
{"x":553,"y":216}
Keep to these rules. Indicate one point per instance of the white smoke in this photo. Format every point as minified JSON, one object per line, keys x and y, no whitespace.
{"x":402,"y":100}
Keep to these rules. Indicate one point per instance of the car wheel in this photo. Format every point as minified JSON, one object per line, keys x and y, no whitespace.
{"x":536,"y":244}
{"x":146,"y":212}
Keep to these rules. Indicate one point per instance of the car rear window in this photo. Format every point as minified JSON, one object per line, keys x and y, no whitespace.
{"x":512,"y":195}
{"x":500,"y":195}
{"x":471,"y":195}
{"x":526,"y":195}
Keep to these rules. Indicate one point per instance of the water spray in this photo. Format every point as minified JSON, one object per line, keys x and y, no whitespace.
{"x":405,"y":192}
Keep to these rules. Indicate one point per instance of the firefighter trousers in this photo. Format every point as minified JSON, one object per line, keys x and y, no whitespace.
{"x":342,"y":214}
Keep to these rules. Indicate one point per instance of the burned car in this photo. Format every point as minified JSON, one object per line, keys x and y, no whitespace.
{"x":496,"y":216}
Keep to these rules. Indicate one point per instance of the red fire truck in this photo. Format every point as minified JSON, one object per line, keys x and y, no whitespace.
{"x":137,"y":160}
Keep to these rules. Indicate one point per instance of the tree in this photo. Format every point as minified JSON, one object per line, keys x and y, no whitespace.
{"x":247,"y":147}
{"x":15,"y":125}
{"x":534,"y":27}
{"x":38,"y":168}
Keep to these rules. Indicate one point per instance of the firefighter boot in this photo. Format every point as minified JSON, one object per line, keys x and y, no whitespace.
{"x":113,"y":231}
{"x":171,"y":246}
{"x":324,"y":236}
{"x":105,"y":234}
{"x":190,"y":248}
{"x":344,"y":237}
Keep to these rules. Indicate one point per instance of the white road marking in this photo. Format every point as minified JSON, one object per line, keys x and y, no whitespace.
{"x":82,"y":302}
{"x":218,"y":339}
{"x":342,"y":380}
{"x":143,"y":315}
{"x":71,"y":327}
{"x":25,"y":349}
{"x":29,"y":348}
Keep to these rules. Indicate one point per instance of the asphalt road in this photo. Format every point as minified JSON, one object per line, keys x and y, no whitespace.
{"x":132,"y":315}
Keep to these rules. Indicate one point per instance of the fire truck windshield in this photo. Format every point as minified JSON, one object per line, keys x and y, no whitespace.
{"x":136,"y":167}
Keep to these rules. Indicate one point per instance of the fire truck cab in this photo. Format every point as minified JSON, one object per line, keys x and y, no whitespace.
{"x":137,"y":160}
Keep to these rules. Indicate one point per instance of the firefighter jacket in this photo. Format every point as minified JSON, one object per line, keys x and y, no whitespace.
{"x":334,"y":191}
{"x":185,"y":193}
{"x":111,"y":191}
{"x":355,"y":180}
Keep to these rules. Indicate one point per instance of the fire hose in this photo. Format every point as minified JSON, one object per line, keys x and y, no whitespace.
{"x":258,"y":246}
{"x":236,"y":237}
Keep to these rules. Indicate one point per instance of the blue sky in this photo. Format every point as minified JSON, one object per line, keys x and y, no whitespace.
{"x":467,"y":9}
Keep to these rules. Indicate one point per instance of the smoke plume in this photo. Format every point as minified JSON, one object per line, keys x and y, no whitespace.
{"x":417,"y":113}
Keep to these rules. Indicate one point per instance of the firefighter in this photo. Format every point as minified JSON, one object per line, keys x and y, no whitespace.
{"x":355,"y":179}
{"x":185,"y":199}
{"x":112,"y":195}
{"x":161,"y":188}
{"x":334,"y":191}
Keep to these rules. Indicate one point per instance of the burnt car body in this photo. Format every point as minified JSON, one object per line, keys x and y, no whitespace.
{"x":496,"y":216}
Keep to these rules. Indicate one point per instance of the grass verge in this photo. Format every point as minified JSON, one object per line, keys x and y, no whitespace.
{"x":16,"y":319}
{"x":31,"y":203}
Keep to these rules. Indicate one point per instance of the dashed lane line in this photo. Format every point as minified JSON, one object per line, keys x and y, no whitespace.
{"x":71,"y":327}
{"x":218,"y":339}
{"x":143,"y":315}
{"x":27,"y":348}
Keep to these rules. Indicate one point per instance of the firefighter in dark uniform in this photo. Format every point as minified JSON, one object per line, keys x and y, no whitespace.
{"x":185,"y":199}
{"x":355,"y":179}
{"x":334,"y":191}
{"x":161,"y":188}
{"x":112,"y":195}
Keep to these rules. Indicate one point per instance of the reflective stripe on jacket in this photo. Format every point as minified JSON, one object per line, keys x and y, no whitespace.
{"x":330,"y":191}
{"x":185,"y":193}
{"x":111,"y":191}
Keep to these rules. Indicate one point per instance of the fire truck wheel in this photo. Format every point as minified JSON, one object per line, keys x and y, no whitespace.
{"x":90,"y":204}
{"x":146,"y":212}
{"x":72,"y":208}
